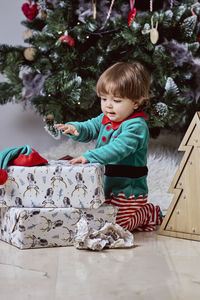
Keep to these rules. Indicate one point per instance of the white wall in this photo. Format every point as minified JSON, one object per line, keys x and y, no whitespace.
{"x":18,"y":126}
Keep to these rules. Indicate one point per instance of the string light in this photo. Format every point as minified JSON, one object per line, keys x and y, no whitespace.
{"x":87,"y":37}
{"x":59,"y":32}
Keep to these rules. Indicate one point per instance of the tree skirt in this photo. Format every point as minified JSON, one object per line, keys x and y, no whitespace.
{"x":163,"y":161}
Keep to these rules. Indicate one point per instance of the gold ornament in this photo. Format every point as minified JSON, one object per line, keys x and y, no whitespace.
{"x":29,"y":53}
{"x":27,"y":34}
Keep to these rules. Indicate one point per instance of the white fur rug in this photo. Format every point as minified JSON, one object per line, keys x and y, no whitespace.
{"x":163,"y":161}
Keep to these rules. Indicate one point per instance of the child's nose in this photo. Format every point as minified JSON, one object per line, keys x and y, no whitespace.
{"x":109,"y":103}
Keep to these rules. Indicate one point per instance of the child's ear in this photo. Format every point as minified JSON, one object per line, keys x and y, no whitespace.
{"x":135,"y":105}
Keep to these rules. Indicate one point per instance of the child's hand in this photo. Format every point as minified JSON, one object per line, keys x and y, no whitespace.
{"x":78,"y":160}
{"x":68,"y":128}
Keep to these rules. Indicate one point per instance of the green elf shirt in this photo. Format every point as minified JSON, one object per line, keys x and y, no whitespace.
{"x":122,"y":144}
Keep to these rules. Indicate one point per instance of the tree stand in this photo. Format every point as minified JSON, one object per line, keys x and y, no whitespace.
{"x":183,"y":216}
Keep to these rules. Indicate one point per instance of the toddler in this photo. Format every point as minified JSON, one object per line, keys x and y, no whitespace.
{"x":122,"y":143}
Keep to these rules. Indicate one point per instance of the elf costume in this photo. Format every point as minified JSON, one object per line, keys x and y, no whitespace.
{"x":122,"y":148}
{"x":21,"y":156}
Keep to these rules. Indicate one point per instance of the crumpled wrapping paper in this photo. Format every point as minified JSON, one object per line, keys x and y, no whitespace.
{"x":109,"y":236}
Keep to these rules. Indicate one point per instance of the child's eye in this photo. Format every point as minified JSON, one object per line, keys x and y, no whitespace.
{"x":117,"y":101}
{"x":103,"y":99}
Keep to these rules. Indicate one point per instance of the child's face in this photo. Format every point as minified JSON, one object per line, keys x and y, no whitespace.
{"x":117,"y":109}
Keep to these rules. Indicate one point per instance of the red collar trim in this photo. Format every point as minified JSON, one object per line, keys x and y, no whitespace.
{"x":115,"y":125}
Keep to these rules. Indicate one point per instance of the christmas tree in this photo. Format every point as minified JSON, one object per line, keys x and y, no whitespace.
{"x":70,"y":43}
{"x":182,"y":218}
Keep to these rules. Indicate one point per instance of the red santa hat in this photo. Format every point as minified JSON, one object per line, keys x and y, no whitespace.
{"x":22,"y":156}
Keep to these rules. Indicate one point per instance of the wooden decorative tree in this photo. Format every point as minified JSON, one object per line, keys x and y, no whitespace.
{"x":183,"y":216}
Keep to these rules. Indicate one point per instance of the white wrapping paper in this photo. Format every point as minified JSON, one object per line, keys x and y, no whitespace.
{"x":47,"y":227}
{"x":57,"y":184}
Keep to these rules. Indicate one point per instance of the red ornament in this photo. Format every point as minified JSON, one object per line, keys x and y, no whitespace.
{"x":199,"y":38}
{"x":30,"y":11}
{"x":67,"y":39}
{"x":131,"y":16}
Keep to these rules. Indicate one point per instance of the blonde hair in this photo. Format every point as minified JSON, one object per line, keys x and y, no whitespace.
{"x":126,"y":80}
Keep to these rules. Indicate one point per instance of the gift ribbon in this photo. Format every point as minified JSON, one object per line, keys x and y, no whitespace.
{"x":94,"y":9}
{"x":132,"y":3}
{"x":192,"y":11}
{"x":151,"y":5}
{"x":110,"y":10}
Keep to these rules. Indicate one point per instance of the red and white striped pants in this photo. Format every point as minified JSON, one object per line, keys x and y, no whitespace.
{"x":135,"y":213}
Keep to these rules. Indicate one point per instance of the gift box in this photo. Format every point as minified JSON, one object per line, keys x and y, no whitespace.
{"x":48,"y":227}
{"x":57,"y":184}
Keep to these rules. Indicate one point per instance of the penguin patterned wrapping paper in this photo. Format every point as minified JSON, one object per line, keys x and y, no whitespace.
{"x":49,"y":227}
{"x":57,"y":184}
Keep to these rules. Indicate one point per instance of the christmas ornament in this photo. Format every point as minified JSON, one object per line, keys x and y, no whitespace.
{"x":43,"y":15}
{"x":50,"y":128}
{"x":171,"y":86}
{"x":132,"y":13}
{"x":154,"y":35}
{"x":29,"y":10}
{"x":27,"y":34}
{"x":162,"y":110}
{"x":49,"y":119}
{"x":188,"y":25}
{"x":29,"y":53}
{"x":199,"y":38}
{"x":66,"y":39}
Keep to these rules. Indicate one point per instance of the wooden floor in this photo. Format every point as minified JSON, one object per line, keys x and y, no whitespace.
{"x":158,"y":267}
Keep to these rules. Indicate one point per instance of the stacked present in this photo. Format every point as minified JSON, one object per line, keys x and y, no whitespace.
{"x":40,"y":206}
